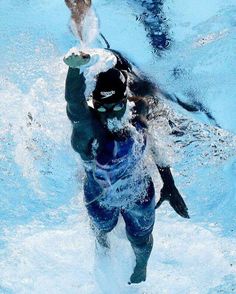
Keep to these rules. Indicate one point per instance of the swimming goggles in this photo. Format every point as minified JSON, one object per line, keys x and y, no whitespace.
{"x":110,"y":107}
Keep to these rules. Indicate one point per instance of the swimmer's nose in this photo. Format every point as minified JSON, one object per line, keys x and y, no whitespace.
{"x":110,"y":115}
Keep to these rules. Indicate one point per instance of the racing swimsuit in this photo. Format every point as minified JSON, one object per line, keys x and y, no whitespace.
{"x":118,"y":181}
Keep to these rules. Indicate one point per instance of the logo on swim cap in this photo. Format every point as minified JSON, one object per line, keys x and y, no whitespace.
{"x":110,"y":86}
{"x":107,"y":94}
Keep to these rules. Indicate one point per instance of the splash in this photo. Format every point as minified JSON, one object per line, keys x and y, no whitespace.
{"x":115,"y":125}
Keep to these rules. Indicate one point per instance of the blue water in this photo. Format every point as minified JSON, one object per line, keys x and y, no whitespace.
{"x":45,"y":241}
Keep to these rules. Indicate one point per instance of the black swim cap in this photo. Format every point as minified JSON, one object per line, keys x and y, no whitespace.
{"x":110,"y":86}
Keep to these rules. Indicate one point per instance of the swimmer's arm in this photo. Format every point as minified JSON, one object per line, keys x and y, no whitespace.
{"x":140,"y":109}
{"x":122,"y":63}
{"x":141,"y":106}
{"x":80,"y":114}
{"x":170,"y":193}
{"x":77,"y":107}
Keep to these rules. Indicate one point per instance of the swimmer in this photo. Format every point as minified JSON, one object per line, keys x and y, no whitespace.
{"x":117,"y":181}
{"x":79,"y":9}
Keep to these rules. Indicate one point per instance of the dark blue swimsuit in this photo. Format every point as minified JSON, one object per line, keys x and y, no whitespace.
{"x":117,"y":181}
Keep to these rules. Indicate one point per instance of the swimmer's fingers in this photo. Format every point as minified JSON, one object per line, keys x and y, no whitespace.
{"x":88,"y":2}
{"x":159,"y":203}
{"x":179,"y":205}
{"x":69,"y":3}
{"x":172,"y":195}
{"x":76,"y":60}
{"x":71,"y":60}
{"x":74,"y":5}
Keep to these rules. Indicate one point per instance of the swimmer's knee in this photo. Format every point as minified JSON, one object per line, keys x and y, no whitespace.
{"x":97,"y":229}
{"x":139,"y":240}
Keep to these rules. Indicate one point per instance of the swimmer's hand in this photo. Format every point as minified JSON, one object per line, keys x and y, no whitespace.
{"x":72,"y":4}
{"x":87,"y":2}
{"x":76,"y":60}
{"x":172,"y":195}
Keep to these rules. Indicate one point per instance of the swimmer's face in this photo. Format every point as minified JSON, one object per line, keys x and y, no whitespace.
{"x":110,"y":110}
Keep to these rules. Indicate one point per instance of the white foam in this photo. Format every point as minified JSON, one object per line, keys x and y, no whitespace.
{"x":45,"y":244}
{"x":115,"y":124}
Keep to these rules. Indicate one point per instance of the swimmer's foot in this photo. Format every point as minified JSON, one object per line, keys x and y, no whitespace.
{"x":102,"y":245}
{"x":76,"y":60}
{"x":139,"y":274}
{"x":103,"y":240}
{"x":142,"y":253}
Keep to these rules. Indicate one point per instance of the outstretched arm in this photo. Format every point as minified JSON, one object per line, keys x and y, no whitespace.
{"x":170,"y":193}
{"x":78,"y":110}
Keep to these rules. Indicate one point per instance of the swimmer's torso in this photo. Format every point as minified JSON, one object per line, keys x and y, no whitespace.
{"x":118,"y":171}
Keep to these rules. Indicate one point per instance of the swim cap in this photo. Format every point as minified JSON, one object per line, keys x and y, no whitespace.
{"x":110,"y":86}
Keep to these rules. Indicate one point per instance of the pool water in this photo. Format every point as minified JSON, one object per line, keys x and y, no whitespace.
{"x":46,"y":244}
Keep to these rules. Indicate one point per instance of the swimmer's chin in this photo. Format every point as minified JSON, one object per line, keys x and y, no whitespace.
{"x":115,"y":125}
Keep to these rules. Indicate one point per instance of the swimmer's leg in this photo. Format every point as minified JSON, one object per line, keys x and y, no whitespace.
{"x":139,"y":222}
{"x":103,"y":219}
{"x":142,"y":247}
{"x":101,"y":236}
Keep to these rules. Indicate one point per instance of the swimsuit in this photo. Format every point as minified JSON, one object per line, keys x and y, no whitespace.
{"x":117,"y":182}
